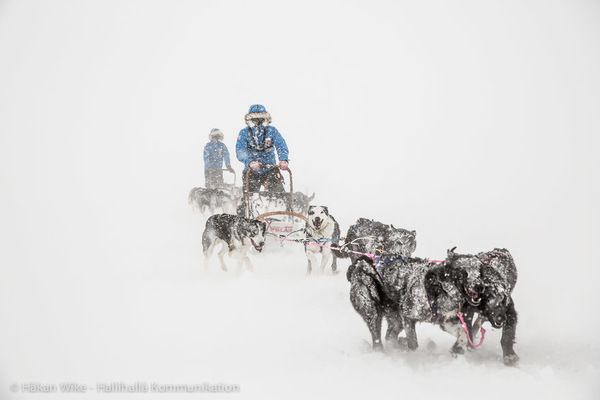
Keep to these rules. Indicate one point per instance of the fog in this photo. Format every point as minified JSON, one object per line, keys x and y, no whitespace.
{"x":474,"y":123}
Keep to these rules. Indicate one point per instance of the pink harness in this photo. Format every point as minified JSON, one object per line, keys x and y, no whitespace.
{"x":459,"y":315}
{"x":464,"y":324}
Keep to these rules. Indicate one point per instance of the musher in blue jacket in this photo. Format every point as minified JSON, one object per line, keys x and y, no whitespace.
{"x":215,"y":152}
{"x":257,"y":144}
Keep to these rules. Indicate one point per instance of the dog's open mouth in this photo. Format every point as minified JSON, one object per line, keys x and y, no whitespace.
{"x":473,"y":298}
{"x":317,"y":223}
{"x":497,"y":325}
{"x":256,"y":246}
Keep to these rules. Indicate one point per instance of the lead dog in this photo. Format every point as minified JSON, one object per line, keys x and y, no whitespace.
{"x":488,"y":285}
{"x":322,"y":233}
{"x":407,"y":291}
{"x":237,"y":235}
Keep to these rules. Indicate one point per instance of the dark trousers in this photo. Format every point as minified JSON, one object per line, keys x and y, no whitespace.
{"x":271,"y":180}
{"x":213,"y":178}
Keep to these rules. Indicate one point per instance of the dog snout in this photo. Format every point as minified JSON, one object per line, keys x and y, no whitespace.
{"x":498,"y":320}
{"x":478,"y":288}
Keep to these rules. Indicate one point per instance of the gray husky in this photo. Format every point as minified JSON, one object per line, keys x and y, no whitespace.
{"x":237,"y":234}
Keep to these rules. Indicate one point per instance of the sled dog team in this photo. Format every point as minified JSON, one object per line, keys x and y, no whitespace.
{"x":386,"y":282}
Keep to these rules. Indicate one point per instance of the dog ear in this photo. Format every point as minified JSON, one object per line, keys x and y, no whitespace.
{"x":451,"y":253}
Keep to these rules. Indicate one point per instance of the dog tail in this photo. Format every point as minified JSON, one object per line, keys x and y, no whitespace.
{"x":339,"y":252}
{"x":364,"y":265}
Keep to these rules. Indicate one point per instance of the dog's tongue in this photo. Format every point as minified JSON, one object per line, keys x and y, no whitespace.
{"x":258,"y":248}
{"x":317,"y":224}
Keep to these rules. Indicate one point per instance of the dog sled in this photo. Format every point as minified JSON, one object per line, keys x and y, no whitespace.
{"x":225,"y":198}
{"x":284,"y":212}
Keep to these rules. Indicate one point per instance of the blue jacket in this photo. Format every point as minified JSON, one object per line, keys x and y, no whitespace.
{"x":259,"y":143}
{"x":214,"y":154}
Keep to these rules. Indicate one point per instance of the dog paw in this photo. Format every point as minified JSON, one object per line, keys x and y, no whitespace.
{"x":511,"y":360}
{"x":399,"y":344}
{"x":377,"y":346}
{"x":457,"y":350}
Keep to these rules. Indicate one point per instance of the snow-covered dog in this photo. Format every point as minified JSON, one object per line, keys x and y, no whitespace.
{"x":373,"y":237}
{"x":321,"y":228}
{"x":212,"y":199}
{"x":404,"y":292}
{"x":237,"y":235}
{"x":302,"y":202}
{"x":488,"y":285}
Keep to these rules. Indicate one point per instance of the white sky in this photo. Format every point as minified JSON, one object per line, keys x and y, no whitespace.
{"x":475,"y":123}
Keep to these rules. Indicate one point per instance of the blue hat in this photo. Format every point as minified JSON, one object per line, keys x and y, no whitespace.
{"x":257,"y":115}
{"x":257,"y":108}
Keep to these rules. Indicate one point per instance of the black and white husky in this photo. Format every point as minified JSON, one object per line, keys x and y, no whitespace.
{"x":321,"y":229}
{"x":237,"y":235}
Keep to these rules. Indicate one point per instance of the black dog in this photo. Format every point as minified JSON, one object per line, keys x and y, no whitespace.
{"x":373,"y":237}
{"x":237,"y":235}
{"x":488,"y":285}
{"x":406,"y":291}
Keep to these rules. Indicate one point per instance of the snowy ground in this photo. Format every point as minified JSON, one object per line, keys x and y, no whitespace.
{"x":158,"y":317}
{"x":474,"y":123}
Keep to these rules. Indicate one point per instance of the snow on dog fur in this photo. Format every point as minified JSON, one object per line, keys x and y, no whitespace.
{"x":406,"y":291}
{"x":236,"y":234}
{"x":488,"y":284}
{"x":321,"y":228}
{"x":373,"y":237}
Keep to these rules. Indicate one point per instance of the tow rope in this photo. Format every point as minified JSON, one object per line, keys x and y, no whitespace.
{"x":306,"y":241}
{"x":378,"y":261}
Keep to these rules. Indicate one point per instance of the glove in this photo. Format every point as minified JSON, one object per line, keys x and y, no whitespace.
{"x":230,"y":169}
{"x":283,"y":165}
{"x":254,"y":165}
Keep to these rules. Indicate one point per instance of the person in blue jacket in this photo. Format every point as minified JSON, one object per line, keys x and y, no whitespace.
{"x":257,"y":144}
{"x":215,"y":153}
